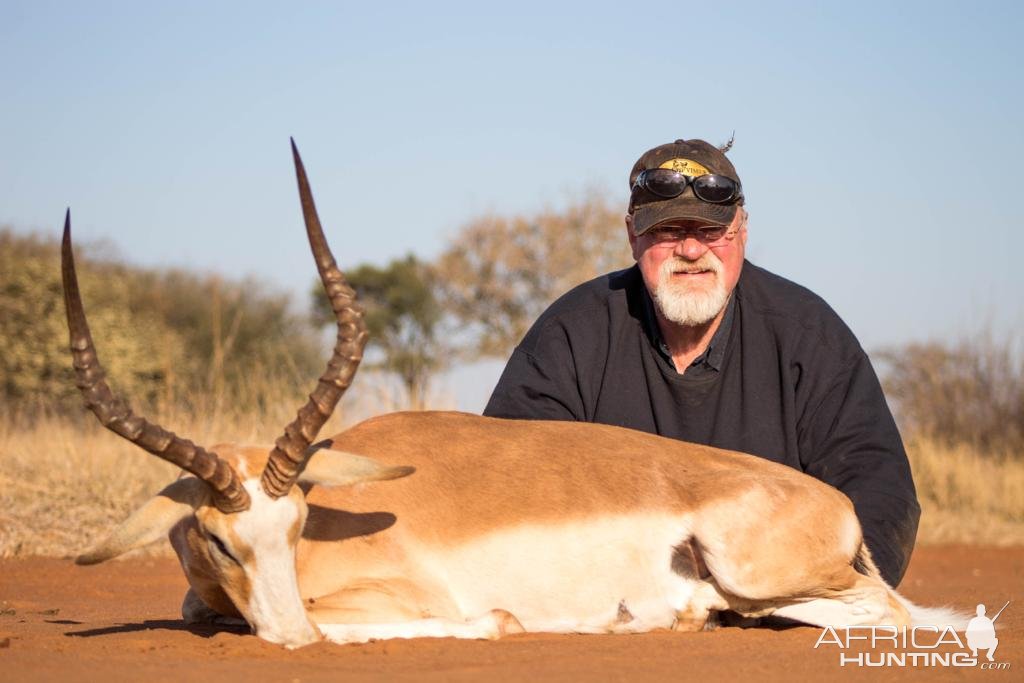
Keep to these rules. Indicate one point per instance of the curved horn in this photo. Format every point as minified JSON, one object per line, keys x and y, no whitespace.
{"x":288,"y":458}
{"x":114,"y":413}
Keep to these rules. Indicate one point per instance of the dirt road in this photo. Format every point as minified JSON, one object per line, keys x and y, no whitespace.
{"x":120,"y":622}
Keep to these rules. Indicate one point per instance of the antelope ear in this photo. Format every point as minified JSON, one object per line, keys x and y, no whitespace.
{"x":338,"y":468}
{"x":151,"y":521}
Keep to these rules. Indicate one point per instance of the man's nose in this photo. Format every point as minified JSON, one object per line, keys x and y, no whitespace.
{"x":690,"y":248}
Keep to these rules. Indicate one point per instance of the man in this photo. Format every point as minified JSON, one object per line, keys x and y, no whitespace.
{"x":697,"y":344}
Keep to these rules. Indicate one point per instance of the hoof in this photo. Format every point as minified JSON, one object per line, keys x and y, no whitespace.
{"x":688,"y":625}
{"x":506,"y":623}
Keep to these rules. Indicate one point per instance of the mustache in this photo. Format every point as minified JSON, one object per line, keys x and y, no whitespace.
{"x":707,"y":262}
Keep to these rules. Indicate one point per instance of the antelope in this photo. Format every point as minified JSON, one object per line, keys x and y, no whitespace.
{"x":449,"y":524}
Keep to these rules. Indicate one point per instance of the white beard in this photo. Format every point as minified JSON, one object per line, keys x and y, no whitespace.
{"x":690,"y":303}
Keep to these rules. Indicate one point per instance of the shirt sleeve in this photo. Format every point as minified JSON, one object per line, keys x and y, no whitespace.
{"x":850,"y":441}
{"x":539,"y":382}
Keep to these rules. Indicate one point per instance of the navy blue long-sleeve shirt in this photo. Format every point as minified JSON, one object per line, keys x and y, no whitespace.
{"x":793,"y":386}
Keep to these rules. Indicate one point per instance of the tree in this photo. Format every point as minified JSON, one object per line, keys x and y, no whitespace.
{"x":404,"y":320}
{"x":500,"y":273}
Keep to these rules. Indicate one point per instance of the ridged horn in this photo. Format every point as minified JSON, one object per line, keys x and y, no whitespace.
{"x":114,"y":413}
{"x":289,"y":456}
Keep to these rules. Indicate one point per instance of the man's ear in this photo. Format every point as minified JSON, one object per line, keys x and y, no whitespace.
{"x":743,"y":226}
{"x":631,"y":236}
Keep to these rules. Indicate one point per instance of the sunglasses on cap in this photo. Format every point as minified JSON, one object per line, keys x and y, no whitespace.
{"x":711,"y":187}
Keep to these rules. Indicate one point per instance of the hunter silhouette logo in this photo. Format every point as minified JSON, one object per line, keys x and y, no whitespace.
{"x":981,"y":632}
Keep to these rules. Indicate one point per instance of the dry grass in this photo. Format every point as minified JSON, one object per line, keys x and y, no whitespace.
{"x":66,"y":482}
{"x":63,"y":485}
{"x":967,"y":496}
{"x":961,"y":405}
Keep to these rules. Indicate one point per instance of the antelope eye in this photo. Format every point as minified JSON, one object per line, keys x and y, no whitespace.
{"x":221,"y":548}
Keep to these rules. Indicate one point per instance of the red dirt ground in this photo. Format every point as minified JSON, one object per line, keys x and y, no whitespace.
{"x":120,"y":622}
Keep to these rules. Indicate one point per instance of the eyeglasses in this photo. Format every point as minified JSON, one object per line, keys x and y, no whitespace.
{"x":708,"y":235}
{"x":711,"y":187}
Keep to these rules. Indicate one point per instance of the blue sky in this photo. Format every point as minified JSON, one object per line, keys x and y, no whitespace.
{"x":878,"y":143}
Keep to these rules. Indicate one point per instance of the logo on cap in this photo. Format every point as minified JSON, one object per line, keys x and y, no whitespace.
{"x":686,"y":167}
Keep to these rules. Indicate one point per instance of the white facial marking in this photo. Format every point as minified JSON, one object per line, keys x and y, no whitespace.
{"x":275,"y":607}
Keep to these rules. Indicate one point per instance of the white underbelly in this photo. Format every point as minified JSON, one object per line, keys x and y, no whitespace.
{"x":571,"y":576}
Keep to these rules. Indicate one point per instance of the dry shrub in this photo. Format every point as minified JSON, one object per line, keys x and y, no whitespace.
{"x":167,"y":337}
{"x":967,"y":393}
{"x":35,"y":365}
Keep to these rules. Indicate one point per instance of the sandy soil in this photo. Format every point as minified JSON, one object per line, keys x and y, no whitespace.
{"x":120,"y":621}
